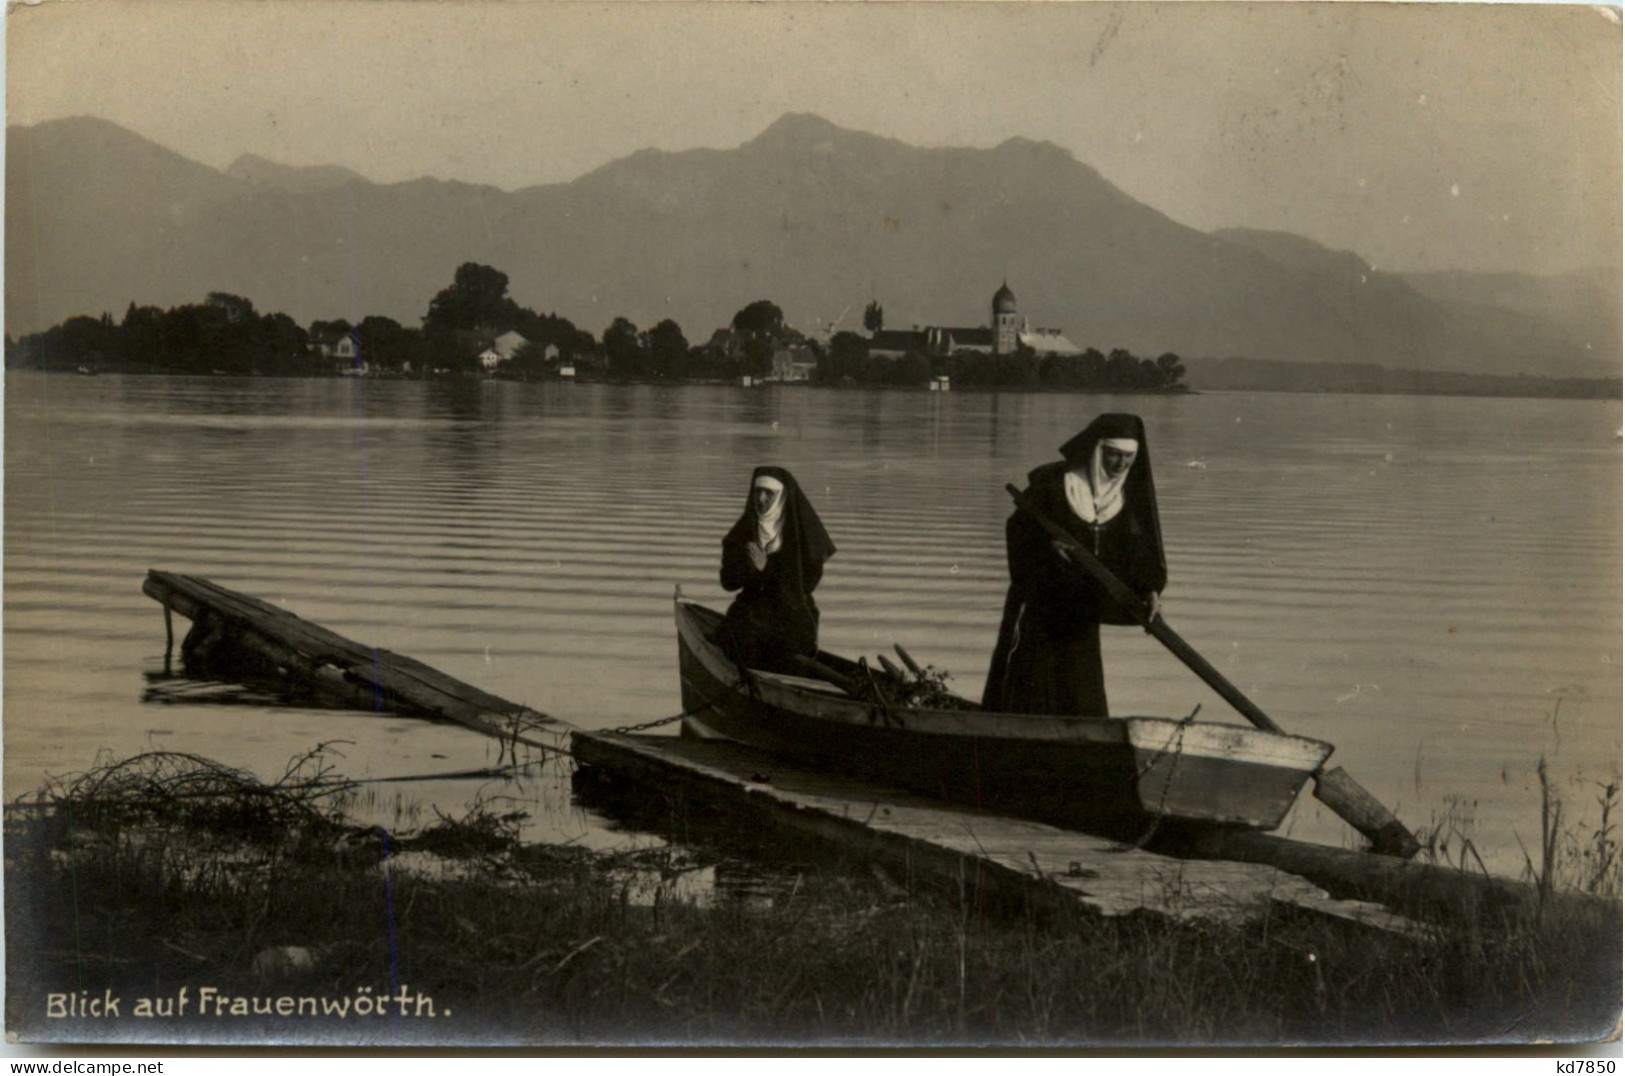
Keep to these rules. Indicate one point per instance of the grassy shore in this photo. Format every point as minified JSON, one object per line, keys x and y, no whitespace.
{"x":144,"y":887}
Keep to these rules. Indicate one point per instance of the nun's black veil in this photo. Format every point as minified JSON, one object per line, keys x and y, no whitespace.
{"x":803,"y":537}
{"x":1139,"y":490}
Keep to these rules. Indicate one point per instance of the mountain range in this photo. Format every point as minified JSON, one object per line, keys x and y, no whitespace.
{"x":818,"y":218}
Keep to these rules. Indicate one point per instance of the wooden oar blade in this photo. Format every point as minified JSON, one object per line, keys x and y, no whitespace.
{"x":908,"y":659}
{"x":817,"y":670}
{"x":1360,"y":809}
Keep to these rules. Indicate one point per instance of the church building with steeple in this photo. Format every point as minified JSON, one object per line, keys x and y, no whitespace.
{"x":1005,"y":334}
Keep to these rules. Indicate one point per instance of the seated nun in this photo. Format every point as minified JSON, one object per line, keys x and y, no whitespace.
{"x":774,"y":557}
{"x":1047,"y":659}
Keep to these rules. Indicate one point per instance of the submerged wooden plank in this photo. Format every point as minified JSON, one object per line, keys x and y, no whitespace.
{"x":1019,"y":858}
{"x":310,"y":656}
{"x":312,"y":638}
{"x":1438,"y":891}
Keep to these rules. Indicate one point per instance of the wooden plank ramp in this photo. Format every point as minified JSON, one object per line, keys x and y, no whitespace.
{"x":1015,"y":858}
{"x":307,"y":657}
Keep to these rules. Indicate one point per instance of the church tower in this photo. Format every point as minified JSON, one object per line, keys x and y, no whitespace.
{"x":1006,"y":324}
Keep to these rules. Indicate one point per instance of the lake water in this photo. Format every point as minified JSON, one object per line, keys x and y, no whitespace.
{"x":1431,"y":584}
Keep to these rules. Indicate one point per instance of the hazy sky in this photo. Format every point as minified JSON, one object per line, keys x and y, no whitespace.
{"x":1422,"y":137}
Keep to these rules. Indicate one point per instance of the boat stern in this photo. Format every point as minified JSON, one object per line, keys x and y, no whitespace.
{"x":1225,"y":774}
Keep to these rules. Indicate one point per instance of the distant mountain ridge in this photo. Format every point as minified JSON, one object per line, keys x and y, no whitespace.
{"x":816,"y":217}
{"x":1585,"y":301}
{"x":251,"y":168}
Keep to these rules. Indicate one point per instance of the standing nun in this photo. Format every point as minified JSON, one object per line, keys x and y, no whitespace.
{"x":1047,"y":660}
{"x":774,"y":556}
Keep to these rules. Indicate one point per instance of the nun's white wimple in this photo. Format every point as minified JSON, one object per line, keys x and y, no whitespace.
{"x":768,"y":520}
{"x":1096,"y":497}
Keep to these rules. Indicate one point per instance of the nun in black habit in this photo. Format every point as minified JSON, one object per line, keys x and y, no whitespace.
{"x":1047,"y":660}
{"x":774,"y":556}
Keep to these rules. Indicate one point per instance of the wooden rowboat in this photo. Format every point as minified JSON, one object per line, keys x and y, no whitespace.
{"x":1109,"y":775}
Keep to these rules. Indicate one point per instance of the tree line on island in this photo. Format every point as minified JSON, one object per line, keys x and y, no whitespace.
{"x":474,"y":327}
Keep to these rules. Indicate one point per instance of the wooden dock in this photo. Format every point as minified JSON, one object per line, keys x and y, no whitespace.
{"x":1005,"y":858}
{"x":1218,"y":875}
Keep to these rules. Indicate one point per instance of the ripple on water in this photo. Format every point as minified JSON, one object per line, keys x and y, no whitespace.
{"x":1422,"y":582}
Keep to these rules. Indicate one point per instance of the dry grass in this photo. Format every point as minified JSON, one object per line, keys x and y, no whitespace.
{"x":176,"y":788}
{"x":564,"y":945}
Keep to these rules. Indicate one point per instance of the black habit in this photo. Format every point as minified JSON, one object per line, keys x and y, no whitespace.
{"x":774,"y":619}
{"x":1047,"y":659}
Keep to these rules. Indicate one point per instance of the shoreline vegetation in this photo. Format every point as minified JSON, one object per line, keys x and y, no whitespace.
{"x":167,"y":875}
{"x":472,"y":329}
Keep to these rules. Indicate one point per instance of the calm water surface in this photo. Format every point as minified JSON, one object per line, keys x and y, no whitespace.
{"x":1431,"y":584}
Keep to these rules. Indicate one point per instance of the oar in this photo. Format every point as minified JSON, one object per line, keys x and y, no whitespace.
{"x":913,"y":666}
{"x":1335,"y":788}
{"x":817,"y":670}
{"x":891,"y":668}
{"x":865,"y":690}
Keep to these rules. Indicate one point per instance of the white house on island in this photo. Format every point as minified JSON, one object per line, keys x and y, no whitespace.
{"x":504,"y":348}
